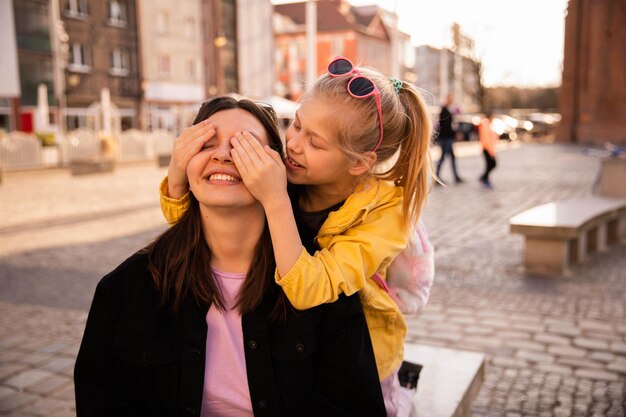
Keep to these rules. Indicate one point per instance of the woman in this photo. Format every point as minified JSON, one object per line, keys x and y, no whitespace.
{"x":194,"y":324}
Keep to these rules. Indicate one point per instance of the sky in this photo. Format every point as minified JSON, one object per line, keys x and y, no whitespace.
{"x":520,"y":42}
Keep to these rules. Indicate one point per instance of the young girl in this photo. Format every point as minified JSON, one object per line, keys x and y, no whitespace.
{"x":340,"y":222}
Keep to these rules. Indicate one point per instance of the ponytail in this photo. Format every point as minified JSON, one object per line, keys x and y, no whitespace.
{"x":413,"y":165}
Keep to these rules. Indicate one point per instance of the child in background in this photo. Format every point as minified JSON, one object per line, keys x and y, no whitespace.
{"x":339,"y":222}
{"x":488,"y":140}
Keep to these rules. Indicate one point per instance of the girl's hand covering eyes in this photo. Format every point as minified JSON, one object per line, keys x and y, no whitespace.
{"x":186,"y":146}
{"x":261,"y":168}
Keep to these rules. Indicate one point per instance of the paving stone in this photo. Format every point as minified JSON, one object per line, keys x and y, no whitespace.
{"x":565,"y":330}
{"x":10,"y":356}
{"x":555,"y":369}
{"x":26,"y":378}
{"x":552,"y":339}
{"x":532,"y":356}
{"x":589,"y":343}
{"x":17,"y":400}
{"x":13,"y":341}
{"x":48,"y":385}
{"x":525,"y":344}
{"x":602,"y":356}
{"x":477,"y":330}
{"x":551,"y":321}
{"x":609,"y":337}
{"x":66,"y":393}
{"x":47,"y":407}
{"x":618,"y":348}
{"x":448,"y":336}
{"x":483,"y":341}
{"x":58,"y":364}
{"x":8,"y":369}
{"x":619,"y":367}
{"x":579,"y":363}
{"x":596,"y":374}
{"x":529,"y":327}
{"x":596,"y":325}
{"x":6,"y":392}
{"x":508,"y":361}
{"x":460,"y":311}
{"x":567,"y":351}
{"x":512,"y":334}
{"x":34,"y":358}
{"x":461,"y":319}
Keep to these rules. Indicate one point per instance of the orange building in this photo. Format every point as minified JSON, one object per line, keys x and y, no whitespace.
{"x":357,"y":33}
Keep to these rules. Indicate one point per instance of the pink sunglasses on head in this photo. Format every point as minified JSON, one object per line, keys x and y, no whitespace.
{"x":359,"y":86}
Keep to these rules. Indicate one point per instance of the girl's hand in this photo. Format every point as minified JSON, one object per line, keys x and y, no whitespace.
{"x":261,"y":168}
{"x":186,"y":146}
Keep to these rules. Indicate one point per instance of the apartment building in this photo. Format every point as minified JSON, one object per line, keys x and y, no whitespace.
{"x":361,"y":34}
{"x":101,"y":52}
{"x":171,"y":61}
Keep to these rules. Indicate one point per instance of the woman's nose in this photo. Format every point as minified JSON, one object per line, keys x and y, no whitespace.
{"x":222,"y":153}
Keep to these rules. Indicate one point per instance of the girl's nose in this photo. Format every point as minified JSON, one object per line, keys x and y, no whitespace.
{"x":293,"y":143}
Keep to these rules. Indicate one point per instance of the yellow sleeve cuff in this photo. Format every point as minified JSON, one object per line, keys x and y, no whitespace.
{"x":173,"y":209}
{"x":296,"y":270}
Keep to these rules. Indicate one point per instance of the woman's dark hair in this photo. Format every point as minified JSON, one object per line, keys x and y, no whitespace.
{"x":180,"y":258}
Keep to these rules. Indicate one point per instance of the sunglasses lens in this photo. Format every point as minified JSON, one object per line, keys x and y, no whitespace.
{"x":340,"y":67}
{"x":360,"y":86}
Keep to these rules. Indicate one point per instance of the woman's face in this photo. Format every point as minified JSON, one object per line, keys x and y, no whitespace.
{"x":213,"y":178}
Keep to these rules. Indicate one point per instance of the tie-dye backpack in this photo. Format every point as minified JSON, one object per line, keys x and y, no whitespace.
{"x":410,"y":276}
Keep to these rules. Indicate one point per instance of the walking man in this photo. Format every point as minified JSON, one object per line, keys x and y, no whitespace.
{"x":446,"y":138}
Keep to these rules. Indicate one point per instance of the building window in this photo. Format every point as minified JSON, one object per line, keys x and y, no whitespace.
{"x":80,"y":58}
{"x":337,"y":46}
{"x":192,"y":69}
{"x":190,"y":27}
{"x":77,"y":8}
{"x":117,"y":13}
{"x":164,"y":65}
{"x":120,"y":65}
{"x":163,"y":22}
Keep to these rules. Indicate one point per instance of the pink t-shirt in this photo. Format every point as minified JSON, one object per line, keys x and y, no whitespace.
{"x":226,"y":392}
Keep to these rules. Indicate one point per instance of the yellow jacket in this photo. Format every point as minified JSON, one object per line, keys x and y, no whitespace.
{"x":358,"y":240}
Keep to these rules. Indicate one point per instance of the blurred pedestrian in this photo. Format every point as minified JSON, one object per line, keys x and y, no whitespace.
{"x":445,"y":138}
{"x":488,"y":140}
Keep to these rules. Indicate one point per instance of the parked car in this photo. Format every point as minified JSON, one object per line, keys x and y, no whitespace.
{"x":466,"y":125}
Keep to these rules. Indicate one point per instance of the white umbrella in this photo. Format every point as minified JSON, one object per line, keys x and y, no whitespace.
{"x":285,"y":109}
{"x":41,"y":114}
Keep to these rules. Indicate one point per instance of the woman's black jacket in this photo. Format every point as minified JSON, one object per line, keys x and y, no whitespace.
{"x":138,"y":358}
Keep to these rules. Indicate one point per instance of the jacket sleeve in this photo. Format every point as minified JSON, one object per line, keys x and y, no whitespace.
{"x":93,"y":379}
{"x":172,"y":208}
{"x":347,"y":257}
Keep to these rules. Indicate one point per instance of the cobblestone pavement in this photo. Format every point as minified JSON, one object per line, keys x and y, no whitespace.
{"x":555,"y":347}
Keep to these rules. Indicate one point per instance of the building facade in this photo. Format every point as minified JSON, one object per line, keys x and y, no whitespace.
{"x":442,"y":72}
{"x":35,"y":64}
{"x":172,"y":76}
{"x":357,"y":33}
{"x":101,"y":52}
{"x":593,"y":92}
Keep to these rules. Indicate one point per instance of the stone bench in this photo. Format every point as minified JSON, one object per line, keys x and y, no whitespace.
{"x":449,"y":381}
{"x":562,"y":233}
{"x":86,"y":167}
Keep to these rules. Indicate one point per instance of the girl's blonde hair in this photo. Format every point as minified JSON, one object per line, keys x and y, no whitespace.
{"x":407,"y":131}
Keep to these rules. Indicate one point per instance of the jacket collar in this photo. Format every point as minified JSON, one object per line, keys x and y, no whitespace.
{"x":365,"y":197}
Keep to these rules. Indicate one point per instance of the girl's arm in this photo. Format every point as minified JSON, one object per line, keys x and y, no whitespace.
{"x":348,"y":256}
{"x":174,"y":189}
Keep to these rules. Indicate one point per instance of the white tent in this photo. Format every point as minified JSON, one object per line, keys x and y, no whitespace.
{"x":285,"y":109}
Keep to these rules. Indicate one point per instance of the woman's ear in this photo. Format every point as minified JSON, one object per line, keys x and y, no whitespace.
{"x":363,"y":164}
